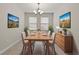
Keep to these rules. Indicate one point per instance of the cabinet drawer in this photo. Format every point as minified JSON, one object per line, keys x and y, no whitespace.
{"x":60,"y":36}
{"x":60,"y":39}
{"x":60,"y":44}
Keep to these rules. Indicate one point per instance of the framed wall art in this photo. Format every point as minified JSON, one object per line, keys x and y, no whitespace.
{"x":65,"y":20}
{"x":13,"y":21}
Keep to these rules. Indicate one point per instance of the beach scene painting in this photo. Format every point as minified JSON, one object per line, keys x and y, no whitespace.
{"x":13,"y":21}
{"x":65,"y":20}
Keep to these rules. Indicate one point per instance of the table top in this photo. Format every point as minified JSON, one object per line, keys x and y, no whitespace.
{"x":38,"y":36}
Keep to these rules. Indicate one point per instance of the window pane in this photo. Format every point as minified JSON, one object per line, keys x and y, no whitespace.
{"x":44,"y":20}
{"x":33,"y":23}
{"x":44,"y":23}
{"x":32,"y":20}
{"x":44,"y":26}
{"x":33,"y":26}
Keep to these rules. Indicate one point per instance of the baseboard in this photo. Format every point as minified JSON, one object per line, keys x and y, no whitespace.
{"x":8,"y":47}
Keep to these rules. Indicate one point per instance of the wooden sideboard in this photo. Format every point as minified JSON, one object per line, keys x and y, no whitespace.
{"x":65,"y":42}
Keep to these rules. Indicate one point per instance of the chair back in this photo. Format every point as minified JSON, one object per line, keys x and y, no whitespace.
{"x":23,"y":36}
{"x":48,"y":33}
{"x":53,"y":37}
{"x":53,"y":45}
{"x":28,"y":32}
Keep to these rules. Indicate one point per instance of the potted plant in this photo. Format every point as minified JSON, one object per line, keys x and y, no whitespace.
{"x":26,"y":30}
{"x":50,"y":28}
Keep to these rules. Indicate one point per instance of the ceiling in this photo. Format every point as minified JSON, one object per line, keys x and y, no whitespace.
{"x":46,"y":7}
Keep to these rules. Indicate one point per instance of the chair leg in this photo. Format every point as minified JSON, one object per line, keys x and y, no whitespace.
{"x":32,"y":47}
{"x":54,"y":51}
{"x":45,"y":48}
{"x":27,"y":50}
{"x":46,"y":51}
{"x":23,"y":50}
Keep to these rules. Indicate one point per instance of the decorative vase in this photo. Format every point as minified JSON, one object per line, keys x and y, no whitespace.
{"x":65,"y":31}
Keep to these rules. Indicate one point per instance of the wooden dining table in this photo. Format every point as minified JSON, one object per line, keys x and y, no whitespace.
{"x":38,"y":36}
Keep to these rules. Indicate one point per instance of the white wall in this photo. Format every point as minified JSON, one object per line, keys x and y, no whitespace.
{"x":74,"y":9}
{"x":9,"y":36}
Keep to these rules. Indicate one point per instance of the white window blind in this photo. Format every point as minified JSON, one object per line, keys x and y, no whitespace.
{"x":44,"y":20}
{"x":44,"y":23}
{"x":33,"y":23}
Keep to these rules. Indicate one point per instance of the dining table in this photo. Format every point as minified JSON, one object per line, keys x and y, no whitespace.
{"x":38,"y":36}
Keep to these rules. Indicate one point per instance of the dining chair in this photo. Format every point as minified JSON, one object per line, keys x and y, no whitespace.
{"x":25,"y":43}
{"x":52,"y":42}
{"x":44,"y":43}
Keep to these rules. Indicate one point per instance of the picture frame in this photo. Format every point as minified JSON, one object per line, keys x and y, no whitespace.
{"x":13,"y":21}
{"x":65,"y":20}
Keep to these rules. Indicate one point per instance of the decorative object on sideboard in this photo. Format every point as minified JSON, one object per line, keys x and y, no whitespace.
{"x":69,"y":32}
{"x":59,"y":30}
{"x":65,"y":31}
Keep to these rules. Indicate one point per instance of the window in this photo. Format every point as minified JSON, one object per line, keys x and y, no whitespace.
{"x":33,"y":23}
{"x":44,"y":23}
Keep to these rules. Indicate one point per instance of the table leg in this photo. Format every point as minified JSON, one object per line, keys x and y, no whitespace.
{"x":47,"y":48}
{"x":30,"y":48}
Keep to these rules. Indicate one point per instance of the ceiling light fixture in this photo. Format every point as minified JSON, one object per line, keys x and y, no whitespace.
{"x":38,"y":10}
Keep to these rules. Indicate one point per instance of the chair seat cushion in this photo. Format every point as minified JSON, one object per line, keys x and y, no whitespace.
{"x":51,"y":42}
{"x":26,"y":41}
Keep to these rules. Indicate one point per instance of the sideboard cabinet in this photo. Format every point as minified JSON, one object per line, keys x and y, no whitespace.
{"x":65,"y":42}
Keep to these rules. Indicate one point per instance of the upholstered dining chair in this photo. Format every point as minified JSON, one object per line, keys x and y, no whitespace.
{"x":25,"y":43}
{"x":44,"y":43}
{"x":52,"y":42}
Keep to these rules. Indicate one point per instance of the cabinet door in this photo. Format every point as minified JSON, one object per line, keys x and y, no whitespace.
{"x":68,"y":44}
